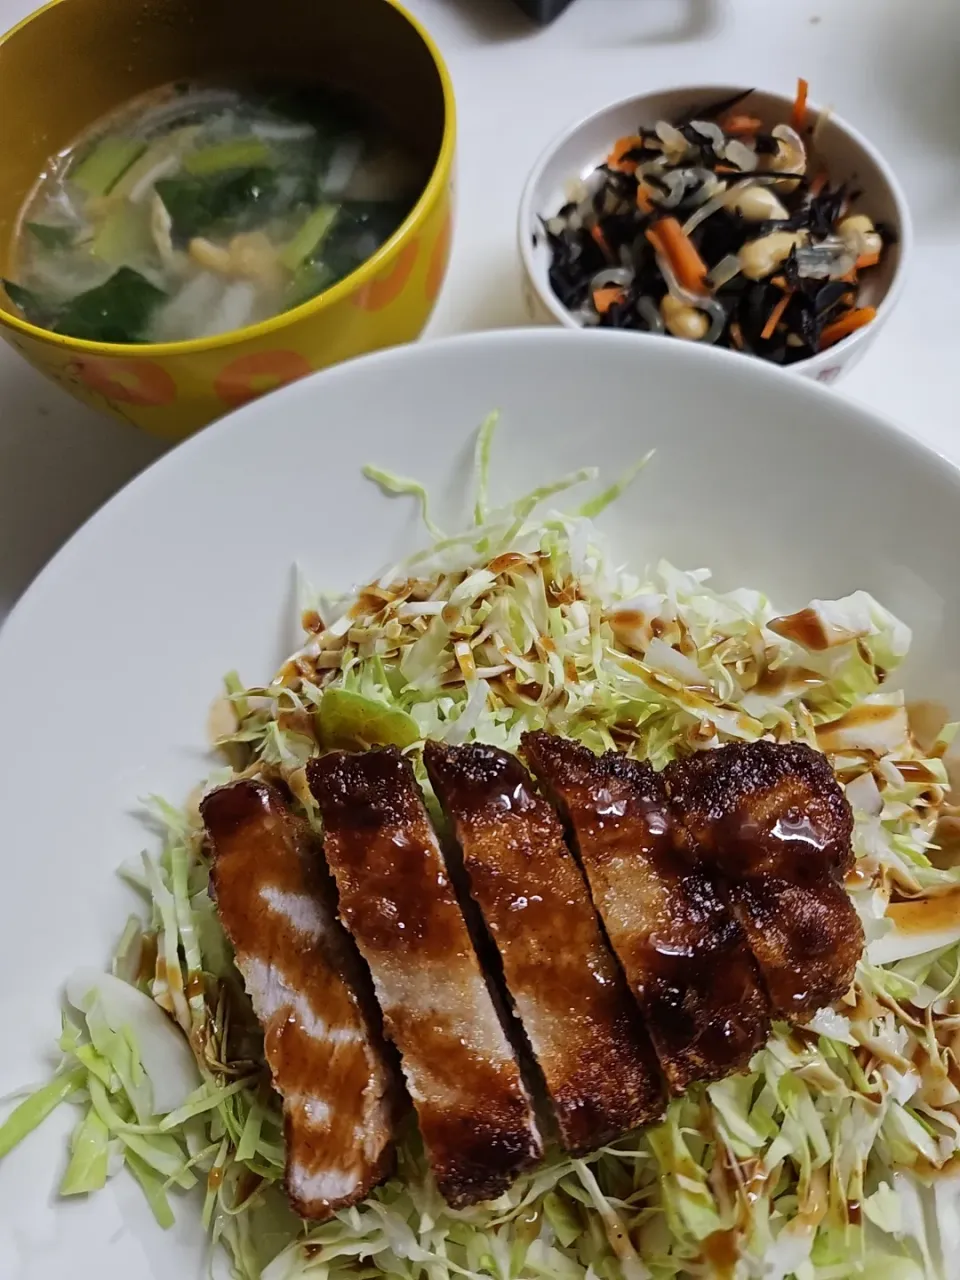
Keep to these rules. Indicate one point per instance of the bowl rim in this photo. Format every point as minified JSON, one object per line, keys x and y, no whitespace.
{"x":860,"y":418}
{"x":329,"y":297}
{"x":904,"y":227}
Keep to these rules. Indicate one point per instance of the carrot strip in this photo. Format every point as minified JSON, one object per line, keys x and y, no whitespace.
{"x":780,"y":282}
{"x":654,"y":239}
{"x":847,"y":324}
{"x":798,"y":117}
{"x":667,"y":238}
{"x":740,"y":125}
{"x":819,"y":182}
{"x":598,"y":236}
{"x":644,"y":203}
{"x":775,"y":316}
{"x":604,"y":299}
{"x":615,"y":160}
{"x":867,"y":260}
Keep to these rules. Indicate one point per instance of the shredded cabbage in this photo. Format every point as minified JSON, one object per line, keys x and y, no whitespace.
{"x":835,"y":1156}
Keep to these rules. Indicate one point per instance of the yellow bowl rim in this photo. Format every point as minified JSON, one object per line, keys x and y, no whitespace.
{"x":342,"y":289}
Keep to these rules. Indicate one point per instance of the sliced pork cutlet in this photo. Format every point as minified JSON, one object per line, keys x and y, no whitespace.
{"x":397,"y":900}
{"x":582,"y":1024}
{"x":323,"y":1046}
{"x":683,"y":953}
{"x":773,"y":821}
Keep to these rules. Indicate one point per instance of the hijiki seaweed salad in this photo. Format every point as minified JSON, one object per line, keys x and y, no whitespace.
{"x":714,"y":229}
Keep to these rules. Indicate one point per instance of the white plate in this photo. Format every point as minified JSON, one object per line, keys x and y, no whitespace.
{"x":110,"y":662}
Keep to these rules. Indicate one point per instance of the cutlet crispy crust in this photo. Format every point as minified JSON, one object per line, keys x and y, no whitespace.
{"x":773,"y":822}
{"x":683,"y":953}
{"x":580,"y":1020}
{"x":397,"y":901}
{"x":322,"y":1043}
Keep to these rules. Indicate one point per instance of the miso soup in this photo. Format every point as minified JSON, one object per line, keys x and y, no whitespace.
{"x":197,"y":210}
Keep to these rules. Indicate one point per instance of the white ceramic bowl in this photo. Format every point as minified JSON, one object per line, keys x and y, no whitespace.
{"x":771,"y":481}
{"x":848,"y":156}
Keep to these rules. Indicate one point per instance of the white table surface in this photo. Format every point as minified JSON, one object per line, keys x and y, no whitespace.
{"x":890,"y":66}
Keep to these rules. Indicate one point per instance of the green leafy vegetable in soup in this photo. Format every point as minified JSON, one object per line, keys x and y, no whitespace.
{"x":233,"y":199}
{"x":119,"y":310}
{"x":199,"y":210}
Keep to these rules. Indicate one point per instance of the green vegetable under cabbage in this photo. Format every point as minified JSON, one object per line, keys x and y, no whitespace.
{"x":836,"y":1156}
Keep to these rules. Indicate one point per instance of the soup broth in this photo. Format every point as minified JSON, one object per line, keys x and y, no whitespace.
{"x":199,"y":210}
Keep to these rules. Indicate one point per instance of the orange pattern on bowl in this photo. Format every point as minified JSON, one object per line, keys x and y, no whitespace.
{"x":132,"y":382}
{"x":387,"y":288}
{"x":257,"y":373}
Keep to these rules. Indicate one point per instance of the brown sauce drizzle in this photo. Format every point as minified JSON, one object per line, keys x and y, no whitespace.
{"x":147,"y":968}
{"x":805,"y":627}
{"x":759,"y":808}
{"x":384,"y":902}
{"x":722,"y":1252}
{"x":629,"y":618}
{"x":927,"y":915}
{"x":771,"y":683}
{"x":915,"y":771}
{"x":511,"y":560}
{"x":370,"y":600}
{"x":857,"y":877}
{"x":561,"y":593}
{"x":928,"y":1171}
{"x":866,"y":716}
{"x":395,"y":896}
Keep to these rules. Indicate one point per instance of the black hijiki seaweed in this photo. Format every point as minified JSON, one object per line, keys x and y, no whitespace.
{"x":712,"y":109}
{"x":612,"y":234}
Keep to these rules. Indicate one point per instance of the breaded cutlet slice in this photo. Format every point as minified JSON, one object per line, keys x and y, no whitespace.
{"x":580,"y":1020}
{"x":683,"y":953}
{"x":321,"y":1041}
{"x":396,"y":899}
{"x":773,"y":822}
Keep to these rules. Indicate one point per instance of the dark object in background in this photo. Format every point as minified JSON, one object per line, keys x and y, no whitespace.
{"x":543,"y":11}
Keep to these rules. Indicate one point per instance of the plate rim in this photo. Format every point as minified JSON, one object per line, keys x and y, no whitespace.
{"x":861,"y":417}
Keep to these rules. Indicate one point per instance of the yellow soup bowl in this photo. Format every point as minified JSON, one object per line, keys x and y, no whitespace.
{"x":76,"y":61}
